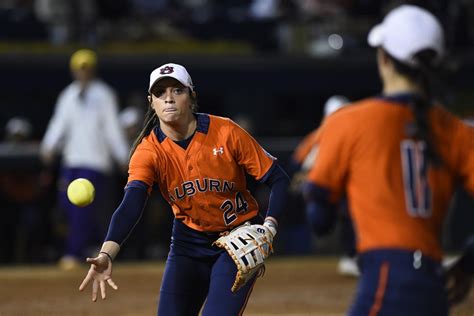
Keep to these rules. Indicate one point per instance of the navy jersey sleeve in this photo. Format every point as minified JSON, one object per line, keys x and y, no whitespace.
{"x":320,"y":212}
{"x":467,"y":260}
{"x":128,"y":213}
{"x":278,"y":181}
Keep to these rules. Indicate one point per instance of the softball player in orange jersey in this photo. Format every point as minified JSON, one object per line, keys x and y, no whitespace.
{"x":305,"y":152}
{"x":301,"y":162}
{"x":198,"y":162}
{"x":398,"y":156}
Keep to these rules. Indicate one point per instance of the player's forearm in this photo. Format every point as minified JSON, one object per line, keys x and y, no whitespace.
{"x":278,"y":181}
{"x":127,"y":214}
{"x":320,"y":212}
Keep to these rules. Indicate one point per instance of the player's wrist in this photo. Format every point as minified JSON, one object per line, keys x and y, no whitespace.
{"x":271,"y":224}
{"x":106,"y":254}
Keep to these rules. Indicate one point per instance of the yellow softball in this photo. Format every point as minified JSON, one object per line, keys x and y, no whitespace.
{"x":81,"y":192}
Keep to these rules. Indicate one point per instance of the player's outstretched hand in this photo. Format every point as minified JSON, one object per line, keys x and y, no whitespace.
{"x":99,"y":273}
{"x":458,"y":284}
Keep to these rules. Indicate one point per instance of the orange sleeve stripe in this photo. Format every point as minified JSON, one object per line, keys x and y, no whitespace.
{"x":379,"y":295}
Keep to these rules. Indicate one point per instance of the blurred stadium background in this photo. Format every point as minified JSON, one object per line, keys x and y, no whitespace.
{"x":268,"y":64}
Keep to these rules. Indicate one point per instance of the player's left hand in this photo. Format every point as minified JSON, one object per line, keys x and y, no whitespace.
{"x":458,"y":283}
{"x":248,"y":246}
{"x":99,"y":273}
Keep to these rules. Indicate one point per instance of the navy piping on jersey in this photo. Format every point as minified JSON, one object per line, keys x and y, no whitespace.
{"x":203,"y":121}
{"x":202,"y":126}
{"x":137,"y":184}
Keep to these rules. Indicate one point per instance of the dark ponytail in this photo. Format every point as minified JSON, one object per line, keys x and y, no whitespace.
{"x":151,"y":120}
{"x":425,"y":74}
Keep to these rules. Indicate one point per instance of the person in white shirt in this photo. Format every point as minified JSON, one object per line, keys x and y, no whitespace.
{"x":85,"y":131}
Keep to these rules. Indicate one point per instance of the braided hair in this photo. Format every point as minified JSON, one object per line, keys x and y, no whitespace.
{"x":426,"y":75}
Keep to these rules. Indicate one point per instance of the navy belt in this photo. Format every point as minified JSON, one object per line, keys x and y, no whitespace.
{"x":415,"y":260}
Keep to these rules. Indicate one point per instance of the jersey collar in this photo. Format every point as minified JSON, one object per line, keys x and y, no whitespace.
{"x":402,"y":98}
{"x":202,"y":126}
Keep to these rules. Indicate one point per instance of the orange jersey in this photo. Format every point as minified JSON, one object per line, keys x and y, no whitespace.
{"x":365,"y":151}
{"x":204,"y":184}
{"x":305,"y":146}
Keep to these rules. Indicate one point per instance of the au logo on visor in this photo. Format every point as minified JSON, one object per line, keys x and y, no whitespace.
{"x":166,"y":70}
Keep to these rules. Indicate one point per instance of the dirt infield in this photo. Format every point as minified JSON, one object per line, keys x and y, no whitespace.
{"x":291,"y":286}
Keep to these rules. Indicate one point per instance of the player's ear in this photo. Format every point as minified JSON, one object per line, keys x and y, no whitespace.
{"x":193,"y":94}
{"x":382,"y":56}
{"x":149,"y":99}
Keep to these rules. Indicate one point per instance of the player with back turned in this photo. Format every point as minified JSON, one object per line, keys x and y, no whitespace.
{"x":398,"y":156}
{"x":198,"y":162}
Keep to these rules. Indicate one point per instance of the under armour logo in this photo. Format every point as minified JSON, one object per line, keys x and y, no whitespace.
{"x":219,"y":150}
{"x":166,"y":70}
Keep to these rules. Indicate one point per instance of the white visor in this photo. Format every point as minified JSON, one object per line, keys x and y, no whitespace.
{"x":175,"y":71}
{"x":407,"y":30}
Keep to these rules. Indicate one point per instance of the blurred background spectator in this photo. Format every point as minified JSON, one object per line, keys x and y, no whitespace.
{"x":84,"y":132}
